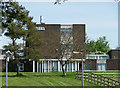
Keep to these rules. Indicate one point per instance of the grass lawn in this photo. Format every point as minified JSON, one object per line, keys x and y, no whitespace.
{"x":43,"y":79}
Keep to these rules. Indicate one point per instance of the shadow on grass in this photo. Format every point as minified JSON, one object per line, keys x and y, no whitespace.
{"x":47,"y":75}
{"x":21,"y":75}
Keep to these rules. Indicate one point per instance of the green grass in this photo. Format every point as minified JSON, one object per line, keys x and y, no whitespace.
{"x":43,"y":79}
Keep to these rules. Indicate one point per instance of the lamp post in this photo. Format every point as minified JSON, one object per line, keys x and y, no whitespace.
{"x":7,"y":60}
{"x":82,"y":67}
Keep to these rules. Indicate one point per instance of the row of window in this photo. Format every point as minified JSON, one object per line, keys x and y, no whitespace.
{"x":98,"y":57}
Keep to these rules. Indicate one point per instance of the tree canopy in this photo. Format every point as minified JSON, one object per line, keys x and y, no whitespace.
{"x":101,"y":45}
{"x":17,"y":24}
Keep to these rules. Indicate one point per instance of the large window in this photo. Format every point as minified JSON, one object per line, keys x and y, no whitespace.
{"x":101,"y":67}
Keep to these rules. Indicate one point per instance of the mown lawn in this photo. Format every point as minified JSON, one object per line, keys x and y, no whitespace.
{"x":43,"y":79}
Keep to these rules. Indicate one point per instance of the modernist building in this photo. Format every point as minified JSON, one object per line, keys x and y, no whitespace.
{"x":59,"y":43}
{"x":103,"y":62}
{"x":96,"y":62}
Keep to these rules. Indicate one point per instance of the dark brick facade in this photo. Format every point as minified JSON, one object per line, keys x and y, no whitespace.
{"x":114,"y":59}
{"x":79,"y":39}
{"x":114,"y":54}
{"x":92,"y":63}
{"x":113,"y":64}
{"x":28,"y":65}
{"x":51,"y":40}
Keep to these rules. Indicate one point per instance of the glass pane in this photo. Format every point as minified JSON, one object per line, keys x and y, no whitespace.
{"x":104,"y":57}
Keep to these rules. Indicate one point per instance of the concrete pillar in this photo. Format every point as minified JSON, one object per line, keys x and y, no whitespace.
{"x":42,"y":66}
{"x":67,"y":67}
{"x":75,"y":66}
{"x":37,"y":66}
{"x":48,"y":66}
{"x":33,"y":66}
{"x":72,"y":67}
{"x":78,"y":66}
{"x":58,"y":65}
{"x":61,"y":67}
{"x":53,"y":63}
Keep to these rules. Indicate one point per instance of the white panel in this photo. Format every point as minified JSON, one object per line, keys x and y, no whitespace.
{"x":42,"y":66}
{"x":37,"y":66}
{"x":72,"y":67}
{"x":78,"y":66}
{"x":33,"y":66}
{"x":75,"y":66}
{"x":48,"y":66}
{"x":58,"y":65}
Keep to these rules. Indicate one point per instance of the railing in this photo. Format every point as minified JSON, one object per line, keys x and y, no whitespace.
{"x":99,"y":79}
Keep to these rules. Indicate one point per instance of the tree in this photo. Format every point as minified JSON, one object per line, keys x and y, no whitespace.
{"x":18,"y":25}
{"x":118,"y":48}
{"x":100,"y":45}
{"x":65,"y":49}
{"x":14,"y":21}
{"x":33,"y":42}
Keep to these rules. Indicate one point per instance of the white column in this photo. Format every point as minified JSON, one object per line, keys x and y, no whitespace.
{"x":72,"y":67}
{"x":69,"y":68}
{"x":42,"y":66}
{"x":78,"y":65}
{"x":75,"y":66}
{"x":48,"y":66}
{"x":33,"y":66}
{"x":53,"y":63}
{"x":37,"y":66}
{"x":58,"y":65}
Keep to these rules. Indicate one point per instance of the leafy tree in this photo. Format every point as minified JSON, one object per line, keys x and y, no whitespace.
{"x":118,"y":48}
{"x":18,"y":25}
{"x":33,"y":42}
{"x":14,"y":21}
{"x":100,"y":45}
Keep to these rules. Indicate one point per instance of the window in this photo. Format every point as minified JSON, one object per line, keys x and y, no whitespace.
{"x":41,"y":28}
{"x":101,"y":67}
{"x":96,"y":57}
{"x":91,"y":57}
{"x":21,"y":67}
{"x":104,"y":57}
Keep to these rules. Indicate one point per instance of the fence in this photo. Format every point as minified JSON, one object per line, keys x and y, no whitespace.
{"x":99,"y":79}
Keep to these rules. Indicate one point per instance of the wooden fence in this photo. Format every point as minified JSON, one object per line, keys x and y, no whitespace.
{"x":99,"y":79}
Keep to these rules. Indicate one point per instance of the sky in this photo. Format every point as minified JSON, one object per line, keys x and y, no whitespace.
{"x":101,"y":18}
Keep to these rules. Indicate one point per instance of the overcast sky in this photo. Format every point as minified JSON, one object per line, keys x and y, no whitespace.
{"x":101,"y":18}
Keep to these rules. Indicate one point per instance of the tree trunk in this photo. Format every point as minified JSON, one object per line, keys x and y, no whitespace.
{"x":18,"y":70}
{"x":14,"y":54}
{"x":64,"y":72}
